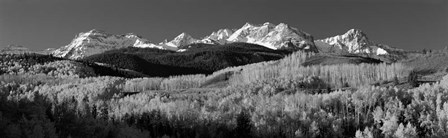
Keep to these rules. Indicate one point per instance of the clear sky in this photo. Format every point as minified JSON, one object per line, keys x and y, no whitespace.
{"x":39,"y":24}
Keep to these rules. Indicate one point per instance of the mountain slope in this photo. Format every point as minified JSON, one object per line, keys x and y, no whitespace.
{"x":201,"y":58}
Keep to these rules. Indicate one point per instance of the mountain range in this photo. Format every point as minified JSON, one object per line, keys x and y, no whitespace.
{"x":19,"y":49}
{"x":276,"y":37}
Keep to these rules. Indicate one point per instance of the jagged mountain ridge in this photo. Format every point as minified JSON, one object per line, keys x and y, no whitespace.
{"x":269,"y":35}
{"x":19,"y":49}
{"x":275,"y":37}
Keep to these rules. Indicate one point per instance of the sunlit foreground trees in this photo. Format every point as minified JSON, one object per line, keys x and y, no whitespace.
{"x":269,"y":99}
{"x":95,"y":103}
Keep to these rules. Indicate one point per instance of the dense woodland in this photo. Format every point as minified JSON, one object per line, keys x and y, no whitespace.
{"x":42,"y":96}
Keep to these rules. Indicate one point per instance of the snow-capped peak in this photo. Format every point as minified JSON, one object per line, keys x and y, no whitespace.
{"x":353,"y":41}
{"x":181,"y":40}
{"x":184,"y":39}
{"x":273,"y":36}
{"x":218,"y":37}
{"x":97,"y":41}
{"x":249,"y":32}
{"x":281,"y":36}
{"x":358,"y":35}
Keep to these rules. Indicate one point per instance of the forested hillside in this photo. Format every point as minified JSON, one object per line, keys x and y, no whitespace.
{"x":198,"y":59}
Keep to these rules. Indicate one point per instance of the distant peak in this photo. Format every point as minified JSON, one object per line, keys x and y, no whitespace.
{"x":353,"y":41}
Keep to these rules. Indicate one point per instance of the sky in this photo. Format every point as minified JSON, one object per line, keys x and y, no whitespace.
{"x":41,"y":24}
